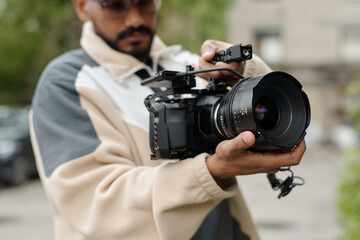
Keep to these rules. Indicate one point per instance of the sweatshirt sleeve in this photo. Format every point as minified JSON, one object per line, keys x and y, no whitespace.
{"x":87,"y":164}
{"x":256,"y":66}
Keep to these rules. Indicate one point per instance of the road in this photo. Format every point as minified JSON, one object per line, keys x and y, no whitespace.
{"x":307,"y":213}
{"x":25,"y":213}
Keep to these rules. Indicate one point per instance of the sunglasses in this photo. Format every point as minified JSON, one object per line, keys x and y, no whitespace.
{"x":114,"y":9}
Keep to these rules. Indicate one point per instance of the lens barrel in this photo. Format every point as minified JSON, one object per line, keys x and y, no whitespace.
{"x":273,"y":106}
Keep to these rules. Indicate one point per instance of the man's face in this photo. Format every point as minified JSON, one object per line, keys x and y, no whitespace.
{"x":130,"y":31}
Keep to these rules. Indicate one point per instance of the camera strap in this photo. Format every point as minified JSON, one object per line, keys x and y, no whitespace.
{"x":143,"y":74}
{"x":285,"y":186}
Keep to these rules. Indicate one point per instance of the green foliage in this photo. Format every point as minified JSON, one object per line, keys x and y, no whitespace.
{"x":191,"y":22}
{"x":353,"y":91}
{"x":32,"y":32}
{"x":349,"y":190}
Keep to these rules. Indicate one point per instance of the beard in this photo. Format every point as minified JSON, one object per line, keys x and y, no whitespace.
{"x":138,"y":52}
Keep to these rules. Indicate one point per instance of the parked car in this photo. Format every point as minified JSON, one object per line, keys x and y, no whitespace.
{"x":17,"y":163}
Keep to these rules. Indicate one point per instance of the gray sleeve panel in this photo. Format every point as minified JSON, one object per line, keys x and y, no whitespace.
{"x":63,"y":128}
{"x":219,"y":224}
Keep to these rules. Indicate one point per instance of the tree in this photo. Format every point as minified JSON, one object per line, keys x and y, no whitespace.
{"x":349,"y":190}
{"x":191,"y":22}
{"x":33,"y":32}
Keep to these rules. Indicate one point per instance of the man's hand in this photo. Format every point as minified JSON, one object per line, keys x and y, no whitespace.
{"x":232,"y":158}
{"x":208,"y":50}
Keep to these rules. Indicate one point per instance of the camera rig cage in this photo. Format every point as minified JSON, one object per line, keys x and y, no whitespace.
{"x":177,"y":85}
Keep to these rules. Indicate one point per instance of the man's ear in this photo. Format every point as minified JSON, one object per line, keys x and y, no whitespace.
{"x":81,"y":9}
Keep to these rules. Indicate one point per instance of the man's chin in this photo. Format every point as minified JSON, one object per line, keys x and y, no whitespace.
{"x":142,"y":55}
{"x":137,"y":49}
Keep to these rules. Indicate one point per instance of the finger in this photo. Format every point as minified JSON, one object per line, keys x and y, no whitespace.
{"x":237,"y":66}
{"x":240,"y":143}
{"x":206,"y":65}
{"x":224,"y":75}
{"x":299,"y":149}
{"x":273,"y":171}
{"x":277,"y":160}
{"x":208,"y":50}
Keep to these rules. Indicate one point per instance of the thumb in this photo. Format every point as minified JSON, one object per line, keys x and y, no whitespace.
{"x":244,"y":140}
{"x":208,"y":51}
{"x":236,"y":145}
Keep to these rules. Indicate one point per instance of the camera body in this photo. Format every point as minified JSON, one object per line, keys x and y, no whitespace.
{"x":185,"y":121}
{"x":181,"y":124}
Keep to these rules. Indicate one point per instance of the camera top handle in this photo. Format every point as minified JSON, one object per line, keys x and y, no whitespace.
{"x":176,"y":79}
{"x":186,"y":80}
{"x":236,"y":53}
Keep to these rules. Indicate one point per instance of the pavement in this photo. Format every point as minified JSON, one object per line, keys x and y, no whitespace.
{"x":25,"y":213}
{"x":307,"y":213}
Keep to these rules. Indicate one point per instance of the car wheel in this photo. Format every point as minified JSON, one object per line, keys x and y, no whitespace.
{"x":19,"y":170}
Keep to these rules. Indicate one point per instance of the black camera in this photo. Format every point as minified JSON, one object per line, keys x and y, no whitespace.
{"x":185,"y":121}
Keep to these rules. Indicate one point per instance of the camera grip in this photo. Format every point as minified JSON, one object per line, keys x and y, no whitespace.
{"x":236,"y":53}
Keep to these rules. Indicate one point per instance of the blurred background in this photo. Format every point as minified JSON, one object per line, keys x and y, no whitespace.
{"x":318,"y":42}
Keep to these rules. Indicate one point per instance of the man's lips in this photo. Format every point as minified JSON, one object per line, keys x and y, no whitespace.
{"x":135,"y":37}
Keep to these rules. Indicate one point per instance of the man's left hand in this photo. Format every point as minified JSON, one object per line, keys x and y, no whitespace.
{"x":208,"y":50}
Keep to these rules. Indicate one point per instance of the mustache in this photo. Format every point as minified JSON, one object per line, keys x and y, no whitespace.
{"x":132,"y":30}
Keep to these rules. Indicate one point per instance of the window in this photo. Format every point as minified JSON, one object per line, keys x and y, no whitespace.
{"x":350,"y":44}
{"x":269,"y":45}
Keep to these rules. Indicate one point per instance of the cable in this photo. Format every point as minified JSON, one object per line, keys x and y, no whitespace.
{"x":184,"y":74}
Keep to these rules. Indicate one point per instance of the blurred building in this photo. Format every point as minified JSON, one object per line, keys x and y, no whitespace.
{"x":316,"y":41}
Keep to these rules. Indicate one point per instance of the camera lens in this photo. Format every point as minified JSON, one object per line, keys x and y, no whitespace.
{"x":266,"y":113}
{"x":272,"y":105}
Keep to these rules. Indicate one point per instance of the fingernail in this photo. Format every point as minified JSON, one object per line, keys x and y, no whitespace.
{"x":206,"y":53}
{"x":245,"y":138}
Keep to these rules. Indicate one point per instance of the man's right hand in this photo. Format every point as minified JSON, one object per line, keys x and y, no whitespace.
{"x":232,"y":158}
{"x":208,"y":50}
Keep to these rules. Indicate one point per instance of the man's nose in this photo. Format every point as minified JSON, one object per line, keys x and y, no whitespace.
{"x":134,"y":17}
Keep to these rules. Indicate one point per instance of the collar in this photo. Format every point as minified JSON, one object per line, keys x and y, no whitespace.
{"x":116,"y":62}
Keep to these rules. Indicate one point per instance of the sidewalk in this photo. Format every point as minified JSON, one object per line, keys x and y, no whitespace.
{"x":307,"y":213}
{"x":25,"y":213}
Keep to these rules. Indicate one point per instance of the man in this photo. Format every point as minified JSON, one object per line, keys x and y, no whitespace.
{"x":90,"y":136}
